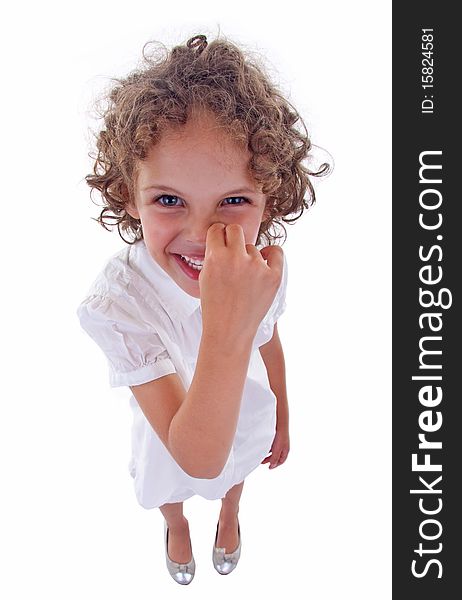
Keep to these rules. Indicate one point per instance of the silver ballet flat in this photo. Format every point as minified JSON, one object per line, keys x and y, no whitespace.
{"x":225,"y":563}
{"x":181,"y":573}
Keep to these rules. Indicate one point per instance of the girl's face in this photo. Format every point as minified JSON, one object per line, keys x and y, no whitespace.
{"x":193,"y":177}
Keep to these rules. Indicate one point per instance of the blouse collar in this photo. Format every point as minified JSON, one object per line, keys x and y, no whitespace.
{"x":175,"y":300}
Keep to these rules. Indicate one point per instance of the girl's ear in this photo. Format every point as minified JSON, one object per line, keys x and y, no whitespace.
{"x":132,"y":210}
{"x":266,"y":213}
{"x":130,"y":202}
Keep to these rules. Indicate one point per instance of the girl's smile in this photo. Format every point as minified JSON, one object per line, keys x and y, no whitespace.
{"x":194,"y":177}
{"x":191,"y":266}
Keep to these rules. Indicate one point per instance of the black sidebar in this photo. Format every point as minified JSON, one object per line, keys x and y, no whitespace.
{"x":427,"y":271}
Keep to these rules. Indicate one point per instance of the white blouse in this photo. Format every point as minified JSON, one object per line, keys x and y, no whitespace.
{"x":148,"y":327}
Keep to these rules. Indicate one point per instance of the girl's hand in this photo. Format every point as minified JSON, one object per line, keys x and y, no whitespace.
{"x":237,"y":286}
{"x":279,"y":449}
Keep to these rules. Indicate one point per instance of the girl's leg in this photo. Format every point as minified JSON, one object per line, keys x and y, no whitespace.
{"x":179,"y":543}
{"x":228,"y":536}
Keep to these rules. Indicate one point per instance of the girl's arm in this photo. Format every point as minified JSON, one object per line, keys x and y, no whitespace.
{"x":197,"y":427}
{"x":273,"y":357}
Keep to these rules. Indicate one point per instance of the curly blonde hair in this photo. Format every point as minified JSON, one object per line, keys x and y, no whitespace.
{"x":219,"y":78}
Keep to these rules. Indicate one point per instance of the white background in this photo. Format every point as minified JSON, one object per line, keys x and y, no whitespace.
{"x":70,"y":523}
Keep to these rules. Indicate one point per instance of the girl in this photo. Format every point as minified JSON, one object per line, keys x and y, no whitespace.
{"x":199,"y":160}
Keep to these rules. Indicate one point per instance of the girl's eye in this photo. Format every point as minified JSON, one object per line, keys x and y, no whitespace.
{"x":235,"y":200}
{"x":167,"y":200}
{"x":173,"y":201}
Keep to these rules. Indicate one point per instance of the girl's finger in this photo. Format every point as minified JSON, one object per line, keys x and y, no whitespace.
{"x":235,"y":236}
{"x":215,"y":237}
{"x":274,"y":256}
{"x":252,"y":250}
{"x":274,"y":460}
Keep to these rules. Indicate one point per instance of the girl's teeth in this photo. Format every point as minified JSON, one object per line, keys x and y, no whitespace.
{"x":193,"y":262}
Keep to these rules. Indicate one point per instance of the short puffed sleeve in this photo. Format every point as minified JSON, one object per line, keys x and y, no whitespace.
{"x":279,"y":304}
{"x":266,"y":329}
{"x":134,"y":351}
